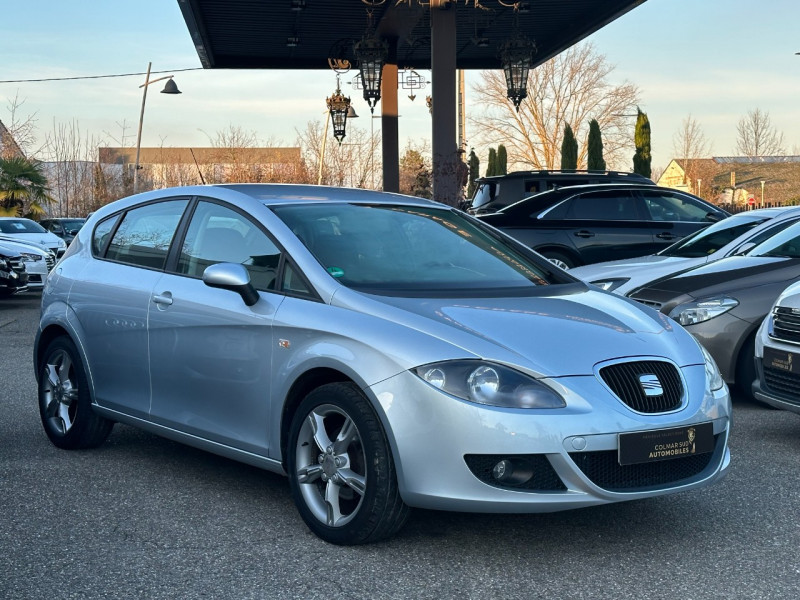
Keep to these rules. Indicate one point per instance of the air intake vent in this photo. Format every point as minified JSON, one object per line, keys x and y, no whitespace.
{"x":650,"y":386}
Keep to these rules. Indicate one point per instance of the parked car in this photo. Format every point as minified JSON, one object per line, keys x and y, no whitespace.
{"x":64,"y":227}
{"x":723,"y":303}
{"x":778,"y":353}
{"x":384,"y":351}
{"x":13,"y":278}
{"x":587,"y":224}
{"x":30,"y":231}
{"x":496,"y":192}
{"x":38,"y":260}
{"x":732,"y":235}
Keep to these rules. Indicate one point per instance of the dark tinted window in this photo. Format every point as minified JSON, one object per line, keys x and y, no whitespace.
{"x":665,"y":206}
{"x":20,"y":226}
{"x":604,"y":206}
{"x":145,"y":234}
{"x":218,"y":234}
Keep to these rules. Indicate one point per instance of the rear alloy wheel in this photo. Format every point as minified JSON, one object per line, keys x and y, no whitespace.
{"x":64,"y":401}
{"x":341,"y":470}
{"x":559,"y":259}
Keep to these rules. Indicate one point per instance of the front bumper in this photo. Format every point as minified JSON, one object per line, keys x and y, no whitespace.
{"x":784,"y":393}
{"x":723,"y":337}
{"x":433,"y":436}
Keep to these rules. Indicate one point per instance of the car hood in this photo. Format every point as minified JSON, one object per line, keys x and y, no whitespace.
{"x":644,"y":268}
{"x":730,"y":275}
{"x":46,"y":239}
{"x":551,"y":336}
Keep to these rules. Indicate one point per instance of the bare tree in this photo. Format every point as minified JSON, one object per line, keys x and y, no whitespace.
{"x":757,"y":137}
{"x":356,"y":162}
{"x":689,"y":144}
{"x":22,"y":129}
{"x":573,"y":88}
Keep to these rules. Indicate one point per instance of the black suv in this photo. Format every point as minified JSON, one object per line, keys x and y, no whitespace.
{"x":499,"y":191}
{"x":586,"y":224}
{"x":13,"y":277}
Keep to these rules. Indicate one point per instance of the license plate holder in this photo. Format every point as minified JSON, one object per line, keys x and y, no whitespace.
{"x":665,"y":444}
{"x":781,"y":360}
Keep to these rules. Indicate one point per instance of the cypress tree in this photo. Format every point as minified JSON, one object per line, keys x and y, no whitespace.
{"x":595,"y":161}
{"x":491,"y":167}
{"x":474,"y":164}
{"x":569,"y":150}
{"x":643,"y":157}
{"x":502,"y":160}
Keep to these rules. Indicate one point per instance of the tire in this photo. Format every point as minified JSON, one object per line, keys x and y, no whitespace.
{"x":65,"y":404}
{"x":340,"y":467}
{"x":746,"y":369}
{"x":559,"y":259}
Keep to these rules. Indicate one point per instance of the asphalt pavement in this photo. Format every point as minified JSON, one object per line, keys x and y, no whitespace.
{"x":144,"y":517}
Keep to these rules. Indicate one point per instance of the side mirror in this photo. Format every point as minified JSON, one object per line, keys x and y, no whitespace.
{"x":744,"y":248}
{"x":233,"y":277}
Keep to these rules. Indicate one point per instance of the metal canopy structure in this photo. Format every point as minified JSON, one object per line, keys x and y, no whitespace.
{"x":464,"y":34}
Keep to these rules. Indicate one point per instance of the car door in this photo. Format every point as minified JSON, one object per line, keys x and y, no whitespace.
{"x":605,"y":225}
{"x":110,"y":301}
{"x":210,"y":353}
{"x":675,"y":215}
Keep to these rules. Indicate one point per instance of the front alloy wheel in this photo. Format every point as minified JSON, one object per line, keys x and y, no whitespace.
{"x":64,"y":402}
{"x":341,"y":470}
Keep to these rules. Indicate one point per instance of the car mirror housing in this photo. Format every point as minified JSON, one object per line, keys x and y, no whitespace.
{"x":233,"y":277}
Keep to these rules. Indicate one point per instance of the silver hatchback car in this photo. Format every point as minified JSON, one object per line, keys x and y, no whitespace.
{"x":385,"y":352}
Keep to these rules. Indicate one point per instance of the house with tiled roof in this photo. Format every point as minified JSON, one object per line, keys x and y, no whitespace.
{"x":737,"y":180}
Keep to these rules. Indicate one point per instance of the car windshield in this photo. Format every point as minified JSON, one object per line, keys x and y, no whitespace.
{"x":20,"y":226}
{"x":707,"y":241}
{"x":72,"y":224}
{"x":404,"y":250}
{"x":785,"y":243}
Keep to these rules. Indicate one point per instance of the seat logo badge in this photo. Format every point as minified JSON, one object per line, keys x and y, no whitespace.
{"x":284,"y":344}
{"x":651,"y":385}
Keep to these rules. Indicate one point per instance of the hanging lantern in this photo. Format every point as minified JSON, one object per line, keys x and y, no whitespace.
{"x":339,"y":109}
{"x":371,"y":55}
{"x":516,"y":56}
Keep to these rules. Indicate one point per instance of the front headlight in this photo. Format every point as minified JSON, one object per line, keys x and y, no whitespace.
{"x":62,"y":243}
{"x":702,"y":310}
{"x":27,"y":257}
{"x":714,"y":379}
{"x":610,"y":285}
{"x":490,"y":384}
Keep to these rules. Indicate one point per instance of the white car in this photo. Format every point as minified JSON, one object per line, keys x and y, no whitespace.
{"x":39,"y":261}
{"x":778,"y":353}
{"x":729,"y":236}
{"x":28,"y":230}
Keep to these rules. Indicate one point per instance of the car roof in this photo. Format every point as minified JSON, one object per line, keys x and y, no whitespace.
{"x":279,"y":193}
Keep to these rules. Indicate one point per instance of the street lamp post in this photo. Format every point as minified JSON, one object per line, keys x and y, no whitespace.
{"x":762,"y":193}
{"x":169,"y":88}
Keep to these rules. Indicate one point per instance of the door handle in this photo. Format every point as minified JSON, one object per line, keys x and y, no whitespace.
{"x":667,"y":236}
{"x":164,"y":299}
{"x":583,"y":234}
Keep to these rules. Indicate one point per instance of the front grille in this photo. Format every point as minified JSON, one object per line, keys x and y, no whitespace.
{"x":783,"y":383}
{"x":603,"y":470}
{"x":17,"y":264}
{"x":785,"y":325}
{"x":625,"y":380}
{"x":50,"y":261}
{"x":544,"y":477}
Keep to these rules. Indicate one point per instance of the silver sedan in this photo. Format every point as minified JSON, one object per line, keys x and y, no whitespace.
{"x":385,"y":352}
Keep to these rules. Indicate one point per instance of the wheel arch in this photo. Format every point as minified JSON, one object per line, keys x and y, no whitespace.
{"x":565,"y":250}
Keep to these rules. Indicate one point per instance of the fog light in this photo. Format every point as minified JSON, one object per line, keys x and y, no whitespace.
{"x":512,"y":471}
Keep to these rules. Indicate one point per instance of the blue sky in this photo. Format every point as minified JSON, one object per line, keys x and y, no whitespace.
{"x":711,"y":59}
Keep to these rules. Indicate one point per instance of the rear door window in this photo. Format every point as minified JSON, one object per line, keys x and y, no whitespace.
{"x":604,"y":206}
{"x":144,"y":236}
